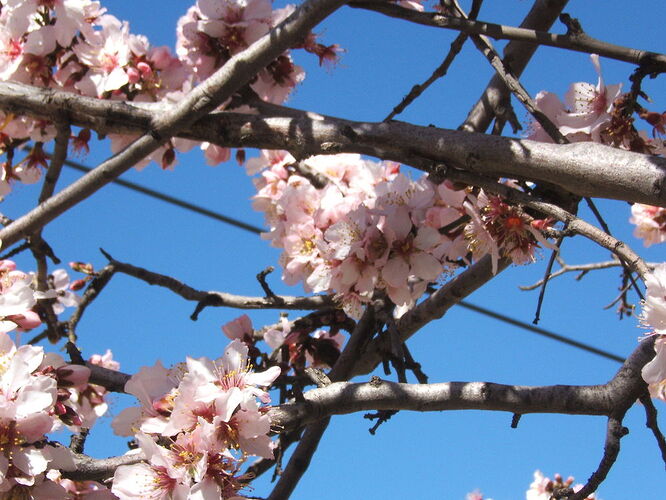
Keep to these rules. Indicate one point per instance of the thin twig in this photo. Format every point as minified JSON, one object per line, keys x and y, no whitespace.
{"x":440,"y":72}
{"x":57,"y":161}
{"x":219,"y":299}
{"x":546,"y":277}
{"x":92,"y":291}
{"x":652,"y":424}
{"x":614,"y":432}
{"x":578,"y":42}
{"x":582,"y":268}
{"x":300,"y":459}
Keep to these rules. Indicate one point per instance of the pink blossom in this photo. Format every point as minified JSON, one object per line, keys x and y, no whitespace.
{"x":154,"y":387}
{"x":653,"y":314}
{"x":654,"y":372}
{"x":650,"y":223}
{"x":59,"y":290}
{"x":238,"y":328}
{"x":158,"y":479}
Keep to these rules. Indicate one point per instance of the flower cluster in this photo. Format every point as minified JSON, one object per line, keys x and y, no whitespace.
{"x":74,"y":45}
{"x":653,"y":316}
{"x":295,"y":344}
{"x":18,"y":296}
{"x":196,"y":425}
{"x":544,"y":488}
{"x":353,"y":226}
{"x":598,"y":113}
{"x":37,"y":392}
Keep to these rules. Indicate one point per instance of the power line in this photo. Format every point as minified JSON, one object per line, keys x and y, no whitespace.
{"x":174,"y":201}
{"x":541,"y":331}
{"x":257,"y":230}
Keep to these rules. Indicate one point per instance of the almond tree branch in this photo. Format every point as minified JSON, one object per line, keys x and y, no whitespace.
{"x":219,"y":299}
{"x":652,"y":424}
{"x":200,"y":101}
{"x":614,"y":432}
{"x":612,"y":399}
{"x":541,"y":17}
{"x":584,"y":169}
{"x":440,"y":71}
{"x":430,"y":309}
{"x":342,"y":370}
{"x":583,"y":269}
{"x":576,"y":42}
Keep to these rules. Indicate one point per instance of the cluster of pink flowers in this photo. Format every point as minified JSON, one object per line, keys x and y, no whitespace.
{"x":354,"y":226}
{"x":306,"y":343}
{"x":542,"y":488}
{"x":197,"y":423}
{"x":18,"y":296}
{"x":653,"y":317}
{"x":39,"y":393}
{"x":74,"y":45}
{"x":597,"y":113}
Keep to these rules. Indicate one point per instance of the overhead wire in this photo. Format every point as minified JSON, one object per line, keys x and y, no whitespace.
{"x":257,"y":230}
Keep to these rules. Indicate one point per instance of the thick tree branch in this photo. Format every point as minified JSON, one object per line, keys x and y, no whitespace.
{"x":344,"y":397}
{"x":584,"y":169}
{"x":612,"y":399}
{"x":576,"y":42}
{"x":432,"y":308}
{"x":88,"y":468}
{"x":203,"y":99}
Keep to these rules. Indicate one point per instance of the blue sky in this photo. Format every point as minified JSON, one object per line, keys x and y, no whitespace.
{"x":437,"y":455}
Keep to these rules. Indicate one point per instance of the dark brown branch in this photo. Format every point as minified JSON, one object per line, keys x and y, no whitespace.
{"x":440,"y":72}
{"x":652,"y":424}
{"x":614,"y":432}
{"x":541,"y":17}
{"x":300,"y":459}
{"x":220,"y":299}
{"x":432,"y":308}
{"x":98,"y":283}
{"x":577,"y":42}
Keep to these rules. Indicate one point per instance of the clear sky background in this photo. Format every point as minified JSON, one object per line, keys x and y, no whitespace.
{"x":436,"y":455}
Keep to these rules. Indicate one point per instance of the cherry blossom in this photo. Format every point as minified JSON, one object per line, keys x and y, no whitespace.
{"x":16,"y":299}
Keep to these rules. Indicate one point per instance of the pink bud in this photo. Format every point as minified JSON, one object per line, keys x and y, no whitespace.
{"x":144,"y":68}
{"x":77,"y":285}
{"x":26,"y":321}
{"x":133,"y":75}
{"x":7,"y":265}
